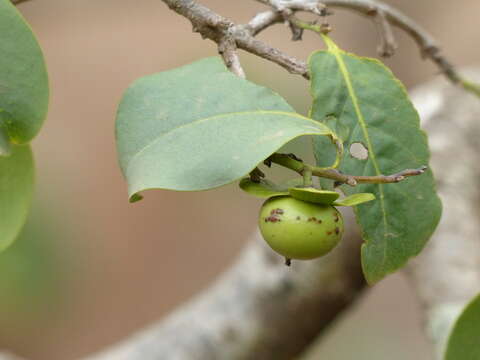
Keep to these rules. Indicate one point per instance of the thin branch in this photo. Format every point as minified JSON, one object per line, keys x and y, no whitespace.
{"x":313,"y":6}
{"x":372,"y":8}
{"x":210,"y":25}
{"x":257,"y":47}
{"x":427,"y":44}
{"x":388,"y":44}
{"x":263,"y":20}
{"x":215,"y":27}
{"x":289,"y":162}
{"x":227,"y":48}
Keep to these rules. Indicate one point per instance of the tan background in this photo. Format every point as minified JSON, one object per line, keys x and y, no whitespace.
{"x":121,"y":266}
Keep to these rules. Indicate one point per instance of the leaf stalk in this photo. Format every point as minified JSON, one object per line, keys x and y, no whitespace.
{"x":307,"y":171}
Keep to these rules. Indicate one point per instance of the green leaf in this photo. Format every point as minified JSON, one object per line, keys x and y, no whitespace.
{"x":355,"y":199}
{"x":364,"y":95}
{"x":23,"y":76}
{"x":314,"y":195}
{"x":16,"y":188}
{"x":5,"y":146}
{"x":199,"y":127}
{"x":34,"y":271}
{"x":264,"y":189}
{"x":464,"y":340}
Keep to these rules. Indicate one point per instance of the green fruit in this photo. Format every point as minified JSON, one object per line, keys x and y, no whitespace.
{"x":300,"y":230}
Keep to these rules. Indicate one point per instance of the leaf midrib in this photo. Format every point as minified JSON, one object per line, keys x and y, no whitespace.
{"x":361,"y":120}
{"x":196,"y":122}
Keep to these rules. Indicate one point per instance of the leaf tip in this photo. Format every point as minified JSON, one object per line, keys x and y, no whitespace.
{"x":135,"y":198}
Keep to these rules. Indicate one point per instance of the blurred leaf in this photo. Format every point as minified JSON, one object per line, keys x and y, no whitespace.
{"x":199,"y":127}
{"x":16,"y":188}
{"x":355,"y":199}
{"x":23,"y":76}
{"x":364,"y":95}
{"x":35,"y":276}
{"x":464,"y":340}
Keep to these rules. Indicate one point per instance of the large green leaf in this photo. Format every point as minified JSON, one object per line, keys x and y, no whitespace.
{"x":366,"y":99}
{"x":16,"y":188}
{"x":23,"y":77}
{"x":199,"y":127}
{"x":464,"y":340}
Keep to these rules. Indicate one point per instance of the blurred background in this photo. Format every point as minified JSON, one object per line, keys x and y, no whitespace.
{"x":90,"y":268}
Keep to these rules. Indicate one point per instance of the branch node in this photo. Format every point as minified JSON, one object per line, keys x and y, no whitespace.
{"x":227,"y":47}
{"x":388,"y":44}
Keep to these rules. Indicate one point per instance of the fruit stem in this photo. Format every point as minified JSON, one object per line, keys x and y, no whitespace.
{"x":307,"y":170}
{"x":307,"y":177}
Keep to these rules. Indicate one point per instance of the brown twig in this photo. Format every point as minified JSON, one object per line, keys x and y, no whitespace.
{"x":372,"y":8}
{"x":263,"y":20}
{"x":228,"y":49}
{"x":313,"y":6}
{"x":300,"y":167}
{"x":427,"y":44}
{"x":388,"y":44}
{"x":215,"y":27}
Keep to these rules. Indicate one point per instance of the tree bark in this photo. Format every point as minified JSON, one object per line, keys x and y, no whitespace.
{"x":259,"y":309}
{"x":446,"y":275}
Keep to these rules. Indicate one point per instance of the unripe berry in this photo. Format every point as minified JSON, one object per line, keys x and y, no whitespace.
{"x":300,"y":230}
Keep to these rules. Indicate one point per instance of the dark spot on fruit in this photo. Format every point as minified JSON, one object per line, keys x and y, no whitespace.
{"x":337,"y":230}
{"x":272,"y":219}
{"x":336,"y":219}
{"x":313,"y":218}
{"x":276,"y":211}
{"x":329,"y":233}
{"x":319,"y":221}
{"x":298,"y":217}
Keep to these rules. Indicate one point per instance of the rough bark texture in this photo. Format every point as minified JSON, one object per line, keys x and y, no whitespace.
{"x":446,"y":275}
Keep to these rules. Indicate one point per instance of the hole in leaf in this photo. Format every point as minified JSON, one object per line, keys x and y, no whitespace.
{"x":359,"y":151}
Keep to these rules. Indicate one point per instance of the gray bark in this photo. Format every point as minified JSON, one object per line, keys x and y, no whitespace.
{"x":259,"y":309}
{"x":446,"y":275}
